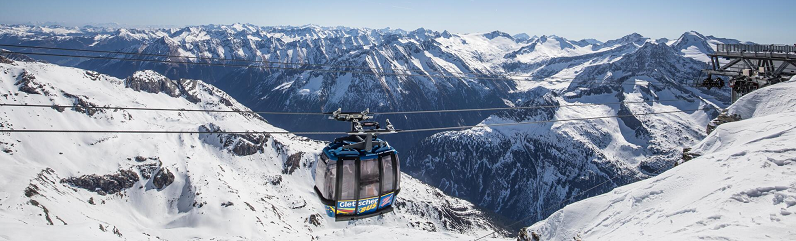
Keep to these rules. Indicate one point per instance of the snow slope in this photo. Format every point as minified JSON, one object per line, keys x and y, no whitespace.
{"x":740,"y":188}
{"x":175,"y":186}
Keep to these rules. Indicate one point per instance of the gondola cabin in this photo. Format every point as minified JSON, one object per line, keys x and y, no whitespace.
{"x":354,"y":183}
{"x":358,"y":176}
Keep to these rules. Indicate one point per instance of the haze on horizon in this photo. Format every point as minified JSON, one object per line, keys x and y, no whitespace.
{"x":602,"y":20}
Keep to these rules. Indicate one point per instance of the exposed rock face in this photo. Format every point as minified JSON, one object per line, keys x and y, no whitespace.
{"x":246,"y":144}
{"x":293,"y":162}
{"x":83,"y":105}
{"x":152,"y":82}
{"x":688,"y":155}
{"x":724,"y":117}
{"x":31,"y":190}
{"x":27,"y":84}
{"x":19,"y":57}
{"x":148,"y":169}
{"x":315,"y":220}
{"x":525,"y":235}
{"x":151,"y":168}
{"x":93,"y":75}
{"x":44,"y":209}
{"x":4,"y":60}
{"x":163,"y":179}
{"x":240,"y":144}
{"x":105,"y":184}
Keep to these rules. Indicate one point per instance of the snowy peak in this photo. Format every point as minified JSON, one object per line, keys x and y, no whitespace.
{"x":697,"y":46}
{"x":554,"y":41}
{"x":546,"y":47}
{"x":423,"y":34}
{"x":633,"y":38}
{"x":586,"y":42}
{"x":522,"y":37}
{"x":495,"y":34}
{"x":693,"y":45}
{"x":652,"y":60}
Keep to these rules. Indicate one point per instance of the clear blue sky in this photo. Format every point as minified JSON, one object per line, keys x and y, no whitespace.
{"x":764,"y":21}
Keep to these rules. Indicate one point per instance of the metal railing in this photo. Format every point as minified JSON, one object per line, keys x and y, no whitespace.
{"x":755,"y":48}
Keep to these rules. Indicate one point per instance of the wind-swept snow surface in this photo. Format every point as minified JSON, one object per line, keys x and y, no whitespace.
{"x":106,"y":186}
{"x":740,"y":188}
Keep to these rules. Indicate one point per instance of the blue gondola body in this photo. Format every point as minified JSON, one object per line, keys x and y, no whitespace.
{"x":372,"y":188}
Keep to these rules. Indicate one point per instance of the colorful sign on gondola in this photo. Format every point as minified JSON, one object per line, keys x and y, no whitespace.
{"x":329,"y":211}
{"x":368,"y":205}
{"x":346,"y":207}
{"x":386,"y":199}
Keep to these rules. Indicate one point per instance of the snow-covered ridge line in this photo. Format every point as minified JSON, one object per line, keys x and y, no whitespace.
{"x":740,"y":188}
{"x":175,"y":187}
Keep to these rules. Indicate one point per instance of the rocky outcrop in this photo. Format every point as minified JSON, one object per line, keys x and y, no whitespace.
{"x":163,"y":179}
{"x":31,"y":190}
{"x":688,"y":155}
{"x":292,"y":163}
{"x":527,"y":235}
{"x":19,"y":57}
{"x":93,"y":75}
{"x":239,"y":144}
{"x":147,"y":169}
{"x":44,"y":209}
{"x":152,"y":168}
{"x":314,"y":219}
{"x":152,"y":82}
{"x":246,"y":144}
{"x":83,"y":105}
{"x":105,"y":184}
{"x":4,"y":60}
{"x":27,"y":83}
{"x":724,"y":117}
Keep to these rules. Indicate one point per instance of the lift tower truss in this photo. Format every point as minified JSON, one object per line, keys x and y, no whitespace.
{"x":750,"y":66}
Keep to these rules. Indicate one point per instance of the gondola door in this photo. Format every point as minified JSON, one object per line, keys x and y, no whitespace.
{"x":369,"y":183}
{"x":346,"y":186}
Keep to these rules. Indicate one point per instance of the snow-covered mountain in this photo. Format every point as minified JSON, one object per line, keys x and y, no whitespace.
{"x":523,"y":170}
{"x":106,"y":186}
{"x":697,"y":46}
{"x":585,"y":71}
{"x":740,"y":187}
{"x":694,"y":45}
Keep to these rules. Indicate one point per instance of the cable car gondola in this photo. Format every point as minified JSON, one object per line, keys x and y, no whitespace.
{"x":711,"y":83}
{"x":358,"y":176}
